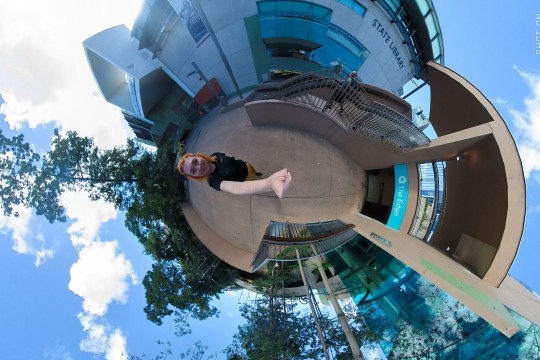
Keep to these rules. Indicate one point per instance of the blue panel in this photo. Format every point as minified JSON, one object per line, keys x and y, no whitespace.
{"x":333,"y":52}
{"x":355,"y":6}
{"x":293,"y":28}
{"x":401,"y":194}
{"x":294,"y":8}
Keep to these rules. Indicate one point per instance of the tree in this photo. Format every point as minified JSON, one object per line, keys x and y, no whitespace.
{"x":198,"y":351}
{"x":276,"y":329}
{"x":186,"y":276}
{"x":353,"y":344}
{"x":18,"y":166}
{"x":74,"y":163}
{"x":185,"y":283}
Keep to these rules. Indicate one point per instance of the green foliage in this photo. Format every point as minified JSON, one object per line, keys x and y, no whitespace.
{"x":196,"y":352}
{"x":18,"y":167}
{"x":275,"y":329}
{"x":74,"y":163}
{"x":188,"y":290}
{"x":186,"y":276}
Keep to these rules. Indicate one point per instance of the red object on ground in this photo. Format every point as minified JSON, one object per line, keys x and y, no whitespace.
{"x":205,"y":94}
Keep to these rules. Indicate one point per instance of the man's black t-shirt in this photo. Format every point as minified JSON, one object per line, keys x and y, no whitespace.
{"x":227,"y":169}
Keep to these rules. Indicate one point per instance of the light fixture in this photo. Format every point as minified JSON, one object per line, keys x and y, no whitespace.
{"x":459,"y":156}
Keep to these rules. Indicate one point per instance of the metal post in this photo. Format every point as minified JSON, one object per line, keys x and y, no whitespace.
{"x":415,"y":90}
{"x":355,"y":349}
{"x":218,"y":46}
{"x":319,"y":330}
{"x":220,"y":99}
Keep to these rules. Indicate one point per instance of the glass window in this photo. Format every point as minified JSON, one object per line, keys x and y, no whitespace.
{"x":436,"y":46}
{"x":394,"y":4}
{"x":293,"y":28}
{"x":355,"y":6}
{"x":423,"y":6}
{"x":430,"y":23}
{"x":192,"y":20}
{"x":293,"y":8}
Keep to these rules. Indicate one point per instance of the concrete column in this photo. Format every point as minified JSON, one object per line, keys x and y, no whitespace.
{"x":355,"y":349}
{"x":440,"y":269}
{"x":312,"y":307}
{"x":447,"y":146}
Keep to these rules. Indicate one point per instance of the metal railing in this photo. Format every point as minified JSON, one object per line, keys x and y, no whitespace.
{"x":431,"y":200}
{"x":408,"y":29}
{"x":438,"y":221}
{"x":282,"y":239}
{"x":347,"y":101}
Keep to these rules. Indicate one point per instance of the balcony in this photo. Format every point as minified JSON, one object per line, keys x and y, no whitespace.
{"x":282,"y":239}
{"x":351,"y":104}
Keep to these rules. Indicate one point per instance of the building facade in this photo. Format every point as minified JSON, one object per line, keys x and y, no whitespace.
{"x":269,"y":82}
{"x":184,"y":57}
{"x":414,"y":319}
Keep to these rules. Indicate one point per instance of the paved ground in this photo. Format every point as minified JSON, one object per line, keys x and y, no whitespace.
{"x":326,"y":184}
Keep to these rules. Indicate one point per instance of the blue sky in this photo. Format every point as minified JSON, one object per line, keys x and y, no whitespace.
{"x":494,"y":46}
{"x":73,"y":290}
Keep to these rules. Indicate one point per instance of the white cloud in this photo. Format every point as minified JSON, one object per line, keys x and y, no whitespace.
{"x":527,"y":122}
{"x":18,"y":227}
{"x":96,"y":334}
{"x":44,"y":75}
{"x":27,"y":239}
{"x":42,"y":256}
{"x":100,"y":276}
{"x":117,"y":346}
{"x":89,"y":216}
{"x":101,"y":340}
{"x":372,"y":353}
{"x":57,"y":353}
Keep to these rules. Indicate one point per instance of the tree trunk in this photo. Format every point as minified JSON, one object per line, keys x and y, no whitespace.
{"x":355,"y":349}
{"x":319,"y":330}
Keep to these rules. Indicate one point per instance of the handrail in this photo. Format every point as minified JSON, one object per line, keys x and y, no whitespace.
{"x":431,"y":179}
{"x":305,"y":240}
{"x":322,"y":236}
{"x":346,"y":100}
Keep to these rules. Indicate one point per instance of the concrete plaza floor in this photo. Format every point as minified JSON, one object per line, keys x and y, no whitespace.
{"x":326,"y":184}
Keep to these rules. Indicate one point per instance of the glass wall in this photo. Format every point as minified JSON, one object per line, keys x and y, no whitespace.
{"x":153,"y":24}
{"x":355,"y":6}
{"x":294,"y":8}
{"x":431,"y":200}
{"x":300,"y":30}
{"x":414,"y":319}
{"x":403,"y":20}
